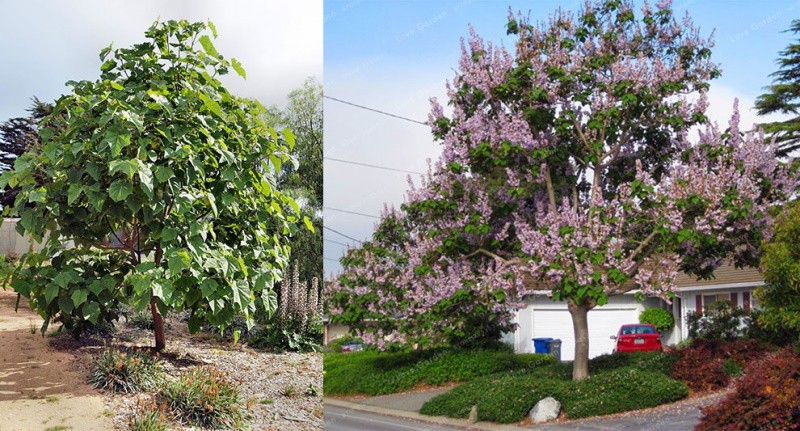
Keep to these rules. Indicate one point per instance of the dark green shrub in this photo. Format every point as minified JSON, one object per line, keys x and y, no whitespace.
{"x":508,"y":397}
{"x":782,"y":336}
{"x":732,"y":368}
{"x":719,"y":321}
{"x":660,"y":361}
{"x":658,"y":317}
{"x":374,"y":373}
{"x":767,"y":397}
{"x":80,"y":289}
{"x":126,"y":371}
{"x":203,"y":397}
{"x":275,"y":338}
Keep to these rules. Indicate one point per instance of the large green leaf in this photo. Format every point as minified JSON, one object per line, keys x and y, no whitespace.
{"x":117,"y":139}
{"x":51,"y":292}
{"x":91,"y":311}
{"x":73,"y":193}
{"x":128,"y":167}
{"x":79,"y":297}
{"x":238,"y":68}
{"x":179,"y":260}
{"x":208,"y":47}
{"x":120,"y":190}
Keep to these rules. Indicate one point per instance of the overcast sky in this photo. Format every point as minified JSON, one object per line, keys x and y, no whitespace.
{"x":393,"y":56}
{"x":47,"y":43}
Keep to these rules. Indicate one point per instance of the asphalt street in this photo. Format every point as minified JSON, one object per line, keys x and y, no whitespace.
{"x":342,"y":419}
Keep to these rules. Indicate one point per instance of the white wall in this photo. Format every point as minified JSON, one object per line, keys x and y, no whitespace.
{"x":12,"y":242}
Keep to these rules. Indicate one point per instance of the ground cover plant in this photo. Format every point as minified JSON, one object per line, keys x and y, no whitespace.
{"x":614,"y":387}
{"x":709,"y":364}
{"x":766,"y":397}
{"x":203,"y":397}
{"x":375,"y":373}
{"x":126,"y":371}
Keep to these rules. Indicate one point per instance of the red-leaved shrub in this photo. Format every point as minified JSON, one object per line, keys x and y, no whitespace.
{"x":701,"y":364}
{"x":767,"y":397}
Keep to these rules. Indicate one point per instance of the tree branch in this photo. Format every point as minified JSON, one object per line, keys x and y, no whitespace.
{"x":551,"y":194}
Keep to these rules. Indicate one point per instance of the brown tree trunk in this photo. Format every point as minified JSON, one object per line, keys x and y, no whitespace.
{"x":158,"y":324}
{"x":158,"y":319}
{"x":580,"y":324}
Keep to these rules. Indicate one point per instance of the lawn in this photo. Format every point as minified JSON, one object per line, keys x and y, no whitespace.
{"x":376,"y":373}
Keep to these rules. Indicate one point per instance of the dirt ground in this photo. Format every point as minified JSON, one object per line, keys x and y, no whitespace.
{"x":43,"y":379}
{"x":39,"y":389}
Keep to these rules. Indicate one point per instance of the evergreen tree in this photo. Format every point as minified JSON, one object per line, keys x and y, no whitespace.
{"x":783,"y":96}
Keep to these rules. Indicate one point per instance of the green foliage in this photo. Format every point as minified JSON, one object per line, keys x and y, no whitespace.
{"x":303,"y":116}
{"x":719,"y":321}
{"x":780,"y":263}
{"x":508,"y":397}
{"x":732,"y":368}
{"x":783,"y":96}
{"x":159,"y":159}
{"x":203,"y":397}
{"x":126,"y":371}
{"x":375,"y":373}
{"x":80,"y":288}
{"x":660,"y":318}
{"x":275,"y":338}
{"x":649,"y":361}
{"x":149,"y":418}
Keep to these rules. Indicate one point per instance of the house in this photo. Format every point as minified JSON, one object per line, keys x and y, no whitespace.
{"x":544,"y":317}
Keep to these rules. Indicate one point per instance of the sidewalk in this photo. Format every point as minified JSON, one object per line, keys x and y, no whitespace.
{"x":679,"y":416}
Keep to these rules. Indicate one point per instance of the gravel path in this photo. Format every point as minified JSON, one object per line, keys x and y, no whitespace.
{"x":280,"y":391}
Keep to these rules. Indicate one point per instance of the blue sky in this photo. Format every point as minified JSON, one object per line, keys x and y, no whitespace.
{"x":394,"y":55}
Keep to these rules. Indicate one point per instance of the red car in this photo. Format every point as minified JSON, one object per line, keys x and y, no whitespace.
{"x":637,"y":337}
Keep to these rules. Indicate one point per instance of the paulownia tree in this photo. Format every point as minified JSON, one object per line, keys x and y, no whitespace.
{"x":158,"y":163}
{"x":567,"y":168}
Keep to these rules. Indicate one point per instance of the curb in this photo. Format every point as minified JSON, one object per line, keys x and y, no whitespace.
{"x":435,"y":420}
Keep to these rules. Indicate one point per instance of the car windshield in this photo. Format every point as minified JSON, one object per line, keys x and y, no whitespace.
{"x":629,"y":330}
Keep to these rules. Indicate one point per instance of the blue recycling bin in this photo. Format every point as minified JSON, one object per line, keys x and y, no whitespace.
{"x":540,"y":345}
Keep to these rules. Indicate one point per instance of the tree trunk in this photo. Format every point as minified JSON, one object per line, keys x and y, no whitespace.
{"x":158,"y":319}
{"x":158,"y":324}
{"x":580,"y":324}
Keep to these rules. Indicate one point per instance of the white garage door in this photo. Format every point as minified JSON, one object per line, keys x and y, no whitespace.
{"x":603,"y":322}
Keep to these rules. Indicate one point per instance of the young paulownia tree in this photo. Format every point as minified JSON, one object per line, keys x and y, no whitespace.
{"x":567,"y":167}
{"x":159,"y":164}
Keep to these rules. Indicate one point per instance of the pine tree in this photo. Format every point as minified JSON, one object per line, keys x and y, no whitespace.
{"x":17,"y":135}
{"x":783,"y":96}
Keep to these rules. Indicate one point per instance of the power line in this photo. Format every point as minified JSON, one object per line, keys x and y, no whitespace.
{"x":351,"y":212}
{"x":332,"y":260}
{"x":374,"y":110}
{"x":337,"y":242}
{"x":346,"y":236}
{"x":373,"y":166}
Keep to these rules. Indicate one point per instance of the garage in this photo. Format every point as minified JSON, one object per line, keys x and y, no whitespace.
{"x":551,"y":319}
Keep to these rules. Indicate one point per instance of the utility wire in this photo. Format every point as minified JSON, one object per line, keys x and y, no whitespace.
{"x":351,"y":212}
{"x":332,"y":260}
{"x":337,"y":242}
{"x":374,"y":110}
{"x":373,"y":166}
{"x":346,"y":236}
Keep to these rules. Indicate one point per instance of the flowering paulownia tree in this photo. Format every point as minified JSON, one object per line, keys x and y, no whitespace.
{"x":566,"y":167}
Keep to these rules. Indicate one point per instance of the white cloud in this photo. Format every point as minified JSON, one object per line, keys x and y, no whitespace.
{"x":47,"y":43}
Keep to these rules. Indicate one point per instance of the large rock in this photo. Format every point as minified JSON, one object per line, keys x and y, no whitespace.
{"x":545,"y":410}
